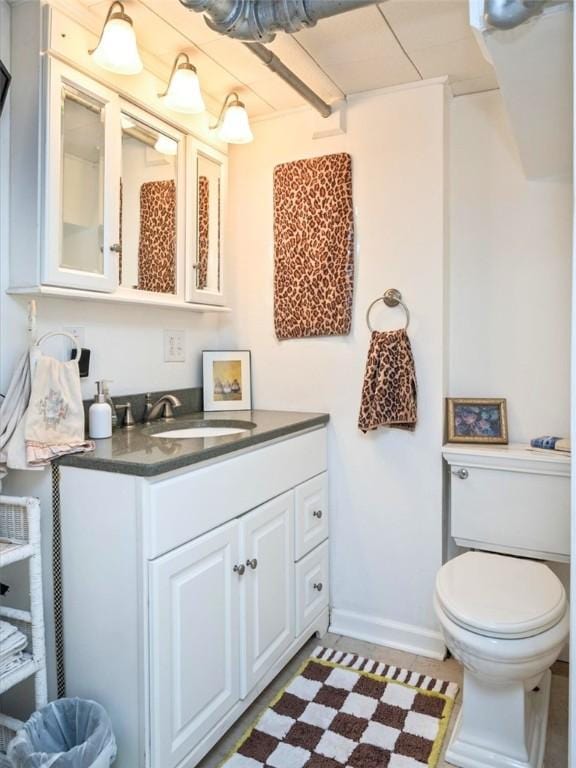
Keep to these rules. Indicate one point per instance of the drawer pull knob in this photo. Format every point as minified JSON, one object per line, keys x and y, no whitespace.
{"x":462,"y":473}
{"x":252,"y":563}
{"x":239,"y":569}
{"x":317,"y":513}
{"x":319,"y":586}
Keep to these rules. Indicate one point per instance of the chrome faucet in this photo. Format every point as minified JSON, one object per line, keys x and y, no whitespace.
{"x":161,"y":409}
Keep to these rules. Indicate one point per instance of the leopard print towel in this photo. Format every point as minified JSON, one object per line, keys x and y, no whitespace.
{"x":313,"y":247}
{"x":157,"y":248}
{"x":389,"y":391}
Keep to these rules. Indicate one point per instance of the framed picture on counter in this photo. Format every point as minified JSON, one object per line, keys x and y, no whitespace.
{"x":476,"y":420}
{"x":226,"y":380}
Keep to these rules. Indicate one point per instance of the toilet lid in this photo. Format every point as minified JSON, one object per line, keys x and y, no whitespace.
{"x":500,"y":596}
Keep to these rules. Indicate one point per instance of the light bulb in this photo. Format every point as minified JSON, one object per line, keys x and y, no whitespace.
{"x":235,"y":128}
{"x":183,"y":93}
{"x":117,"y":50}
{"x":166,"y":146}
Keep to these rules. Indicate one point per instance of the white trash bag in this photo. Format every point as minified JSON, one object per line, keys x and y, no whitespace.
{"x":68,"y":733}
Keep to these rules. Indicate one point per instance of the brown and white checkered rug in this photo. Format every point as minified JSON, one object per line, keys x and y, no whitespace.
{"x":345,"y":710}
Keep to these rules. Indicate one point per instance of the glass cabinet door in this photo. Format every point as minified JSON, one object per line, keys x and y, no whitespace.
{"x":82,"y":182}
{"x":207,"y":193}
{"x":151,"y":204}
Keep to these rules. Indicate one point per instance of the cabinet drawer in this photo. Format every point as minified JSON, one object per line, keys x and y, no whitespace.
{"x":312,"y":586}
{"x":311,"y":524}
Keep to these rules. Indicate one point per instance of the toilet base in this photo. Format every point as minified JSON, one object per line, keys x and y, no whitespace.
{"x":467,"y":754}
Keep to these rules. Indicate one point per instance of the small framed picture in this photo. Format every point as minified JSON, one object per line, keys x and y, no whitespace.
{"x":226,"y":379}
{"x":476,"y":420}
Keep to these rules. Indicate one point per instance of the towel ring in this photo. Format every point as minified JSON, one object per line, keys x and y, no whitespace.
{"x":73,"y":339}
{"x":392,"y":298}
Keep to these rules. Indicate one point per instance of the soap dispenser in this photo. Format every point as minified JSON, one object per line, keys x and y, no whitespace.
{"x":100,"y":415}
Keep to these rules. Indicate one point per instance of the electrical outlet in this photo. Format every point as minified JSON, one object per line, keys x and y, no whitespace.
{"x":174,"y":347}
{"x":77,"y":331}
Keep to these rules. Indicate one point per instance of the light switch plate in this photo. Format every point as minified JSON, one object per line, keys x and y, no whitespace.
{"x":174,"y":346}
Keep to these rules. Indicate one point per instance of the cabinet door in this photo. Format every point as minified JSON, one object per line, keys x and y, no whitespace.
{"x":206,"y":200}
{"x":267,"y":547}
{"x":194,"y":643}
{"x":82,"y":182}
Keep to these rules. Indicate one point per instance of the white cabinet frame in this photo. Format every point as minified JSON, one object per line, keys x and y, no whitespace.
{"x":53,"y":273}
{"x":197,"y":149}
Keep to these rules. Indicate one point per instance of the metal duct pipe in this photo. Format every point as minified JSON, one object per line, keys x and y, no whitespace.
{"x":259,"y":20}
{"x":277,"y":65}
{"x":507,"y":14}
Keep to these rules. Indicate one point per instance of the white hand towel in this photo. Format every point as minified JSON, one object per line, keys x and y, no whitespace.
{"x":54,"y":423}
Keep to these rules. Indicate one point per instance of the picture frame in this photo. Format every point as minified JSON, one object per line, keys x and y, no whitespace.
{"x":5,"y":79}
{"x":476,"y":420}
{"x":227,"y":380}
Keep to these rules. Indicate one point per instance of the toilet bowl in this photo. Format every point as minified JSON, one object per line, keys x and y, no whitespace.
{"x":506,"y":620}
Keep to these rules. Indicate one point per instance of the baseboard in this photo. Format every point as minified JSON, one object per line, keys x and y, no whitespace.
{"x":394,"y":634}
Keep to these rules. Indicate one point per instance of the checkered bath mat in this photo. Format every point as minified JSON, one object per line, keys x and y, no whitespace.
{"x":342,"y":710}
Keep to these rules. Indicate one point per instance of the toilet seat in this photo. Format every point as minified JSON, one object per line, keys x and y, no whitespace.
{"x":500,"y":596}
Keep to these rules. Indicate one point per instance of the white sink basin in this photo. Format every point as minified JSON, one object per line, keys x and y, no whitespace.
{"x":198,"y":432}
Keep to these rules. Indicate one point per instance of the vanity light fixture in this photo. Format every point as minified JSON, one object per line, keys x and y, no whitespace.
{"x":183,"y":91}
{"x":166,"y":146}
{"x":233,"y":125}
{"x":117,"y":50}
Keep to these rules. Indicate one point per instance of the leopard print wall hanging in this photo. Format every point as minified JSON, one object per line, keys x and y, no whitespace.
{"x":157,"y":247}
{"x":313,"y":247}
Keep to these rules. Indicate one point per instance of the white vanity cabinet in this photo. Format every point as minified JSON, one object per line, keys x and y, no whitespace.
{"x":185,"y":594}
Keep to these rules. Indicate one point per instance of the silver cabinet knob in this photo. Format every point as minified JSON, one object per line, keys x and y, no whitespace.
{"x":317,"y":513}
{"x":462,"y":473}
{"x":239,"y":569}
{"x":252,"y":563}
{"x":318,"y":586}
{"x":116,"y":248}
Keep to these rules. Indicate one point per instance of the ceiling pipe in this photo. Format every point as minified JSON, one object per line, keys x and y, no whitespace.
{"x":507,"y":14}
{"x":259,"y":20}
{"x":277,"y":65}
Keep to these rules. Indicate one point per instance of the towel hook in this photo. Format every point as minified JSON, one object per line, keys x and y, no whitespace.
{"x":392,"y":298}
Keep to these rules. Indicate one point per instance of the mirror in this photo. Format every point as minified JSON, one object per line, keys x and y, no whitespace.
{"x":148,"y":191}
{"x":82,"y":163}
{"x":208,"y":234}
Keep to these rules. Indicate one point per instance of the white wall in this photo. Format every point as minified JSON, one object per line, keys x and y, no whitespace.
{"x":510,"y":274}
{"x":386,"y":486}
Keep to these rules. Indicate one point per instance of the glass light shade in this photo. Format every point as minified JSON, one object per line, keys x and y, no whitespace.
{"x":235,"y":127}
{"x":166,"y":146}
{"x":183,"y":94}
{"x":117,"y":50}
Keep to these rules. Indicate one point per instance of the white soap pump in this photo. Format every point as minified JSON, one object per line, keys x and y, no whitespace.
{"x":100,"y":415}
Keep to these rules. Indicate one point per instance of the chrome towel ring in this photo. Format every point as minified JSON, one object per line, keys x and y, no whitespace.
{"x":392,"y":298}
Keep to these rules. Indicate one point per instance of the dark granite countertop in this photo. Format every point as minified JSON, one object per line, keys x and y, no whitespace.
{"x":138,"y":451}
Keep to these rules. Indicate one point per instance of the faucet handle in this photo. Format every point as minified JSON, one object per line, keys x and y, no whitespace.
{"x":128,"y":415}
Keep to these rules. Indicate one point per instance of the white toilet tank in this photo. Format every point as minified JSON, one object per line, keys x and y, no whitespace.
{"x":510,"y":499}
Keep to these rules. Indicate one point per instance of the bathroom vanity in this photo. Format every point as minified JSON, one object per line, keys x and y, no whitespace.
{"x":193,"y":570}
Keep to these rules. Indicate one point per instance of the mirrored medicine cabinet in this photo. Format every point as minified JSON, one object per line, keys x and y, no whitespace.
{"x":133,"y":207}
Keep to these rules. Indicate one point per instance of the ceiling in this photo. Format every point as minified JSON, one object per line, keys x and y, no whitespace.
{"x":394,"y":42}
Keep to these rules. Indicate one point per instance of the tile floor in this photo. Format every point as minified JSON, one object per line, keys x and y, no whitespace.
{"x":557,"y":744}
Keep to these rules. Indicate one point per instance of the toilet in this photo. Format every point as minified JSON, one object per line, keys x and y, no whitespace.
{"x":503,"y":613}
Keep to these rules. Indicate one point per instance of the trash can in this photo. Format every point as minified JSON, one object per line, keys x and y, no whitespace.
{"x":68,"y":733}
